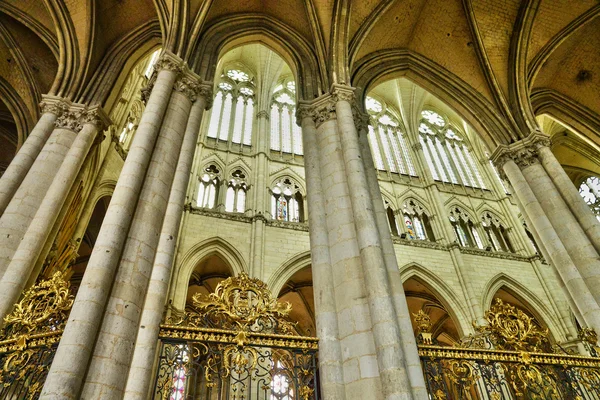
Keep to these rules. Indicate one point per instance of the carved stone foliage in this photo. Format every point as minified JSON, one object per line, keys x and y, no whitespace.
{"x":70,"y":119}
{"x":53,"y":105}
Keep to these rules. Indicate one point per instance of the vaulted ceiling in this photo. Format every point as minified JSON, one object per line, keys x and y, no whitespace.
{"x":509,"y":60}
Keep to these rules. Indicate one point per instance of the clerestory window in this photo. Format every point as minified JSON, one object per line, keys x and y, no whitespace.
{"x":446,"y":153}
{"x":388,"y":141}
{"x":464,"y":229}
{"x":496,"y":233}
{"x":417,"y":221}
{"x":286,"y":201}
{"x":232,"y":115}
{"x":590,"y":191}
{"x":286,"y":135}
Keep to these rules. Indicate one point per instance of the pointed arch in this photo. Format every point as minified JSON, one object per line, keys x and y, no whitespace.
{"x":384,"y":65}
{"x":185,"y":265}
{"x":287,"y":270}
{"x":452,"y":302}
{"x":535,"y":306}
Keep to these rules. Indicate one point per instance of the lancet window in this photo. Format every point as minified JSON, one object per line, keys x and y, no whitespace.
{"x":235,"y":200}
{"x":590,"y":191}
{"x":446,"y":152}
{"x":208,"y":188}
{"x":391,"y":216}
{"x":464,"y":229}
{"x":496,"y":233}
{"x":388,"y":141}
{"x":232,"y":115}
{"x":286,"y":201}
{"x":286,"y":135}
{"x":417,"y":221}
{"x":531,"y":238}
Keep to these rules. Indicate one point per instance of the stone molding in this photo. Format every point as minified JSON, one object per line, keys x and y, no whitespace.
{"x":297,"y":226}
{"x":494,"y":254}
{"x":418,"y":243}
{"x":524,"y":152}
{"x":54,"y":105}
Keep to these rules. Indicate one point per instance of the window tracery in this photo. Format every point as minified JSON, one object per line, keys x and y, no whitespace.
{"x":232,"y":113}
{"x":496,"y":233}
{"x":209,"y":187}
{"x":417,"y":221}
{"x":235,"y":199}
{"x":590,"y":191}
{"x":464,"y":228}
{"x":286,"y":135}
{"x":446,"y":152}
{"x":286,"y":201}
{"x":388,"y":141}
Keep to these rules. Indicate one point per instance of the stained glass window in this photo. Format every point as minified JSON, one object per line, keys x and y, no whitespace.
{"x":449,"y":159}
{"x":590,"y":191}
{"x":286,"y":135}
{"x":286,"y":201}
{"x":416,"y":221}
{"x":496,"y":233}
{"x":208,"y":187}
{"x":464,"y":228}
{"x":232,"y":113}
{"x":235,"y":199}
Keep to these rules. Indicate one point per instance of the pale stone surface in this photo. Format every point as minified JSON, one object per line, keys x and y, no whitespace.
{"x":22,"y":207}
{"x":107,"y":374}
{"x":574,"y":283}
{"x":23,"y":261}
{"x":65,"y":377}
{"x":330,"y":357}
{"x":140,"y":371}
{"x":20,"y":165}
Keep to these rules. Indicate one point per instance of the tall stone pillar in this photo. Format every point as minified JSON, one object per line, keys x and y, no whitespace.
{"x":409,"y":344}
{"x":19,"y":270}
{"x":23,"y":206}
{"x":576,"y":287}
{"x":52,"y":107}
{"x":107,"y":374}
{"x":65,"y":378}
{"x":260,"y":201}
{"x":372,"y":354}
{"x":140,"y":372}
{"x":587,"y":220}
{"x":330,"y":355}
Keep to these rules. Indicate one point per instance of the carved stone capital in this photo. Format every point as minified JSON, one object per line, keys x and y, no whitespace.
{"x":524,"y":152}
{"x":54,"y":105}
{"x":361,"y":120}
{"x":168,"y":61}
{"x":205,"y":90}
{"x":323,"y":109}
{"x":96,"y":116}
{"x":187,"y":86}
{"x":342,"y":93}
{"x":417,"y":147}
{"x":71,"y":118}
{"x":304,"y":110}
{"x":264,"y":114}
{"x":147,"y":90}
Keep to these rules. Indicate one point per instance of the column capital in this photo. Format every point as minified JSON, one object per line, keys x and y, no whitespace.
{"x":265,"y":114}
{"x":361,"y":120}
{"x":97,"y":116}
{"x":321,"y":109}
{"x":71,"y":118}
{"x":170,"y":62}
{"x":187,"y":85}
{"x":205,"y":89}
{"x":54,"y":105}
{"x":342,"y":92}
{"x":524,"y":152}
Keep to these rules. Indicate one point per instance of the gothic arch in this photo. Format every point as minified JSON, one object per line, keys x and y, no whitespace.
{"x":442,"y":292}
{"x":232,"y":31}
{"x":290,"y":173}
{"x":286,"y":270}
{"x":536,"y":306}
{"x":384,"y":65}
{"x":185,"y":265}
{"x":18,"y":110}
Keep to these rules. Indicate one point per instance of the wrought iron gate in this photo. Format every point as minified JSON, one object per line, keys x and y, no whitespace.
{"x":236,"y":344}
{"x":511,"y":358}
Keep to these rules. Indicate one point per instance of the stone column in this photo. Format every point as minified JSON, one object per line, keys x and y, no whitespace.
{"x":566,"y":226}
{"x":576,"y":287}
{"x":140,"y":371}
{"x":260,"y":203}
{"x":587,"y":220}
{"x":107,"y":374}
{"x":52,"y":107}
{"x":385,"y":330}
{"x":24,"y":259}
{"x":409,"y":344}
{"x":67,"y":372}
{"x":23,"y":206}
{"x":330,"y":356}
